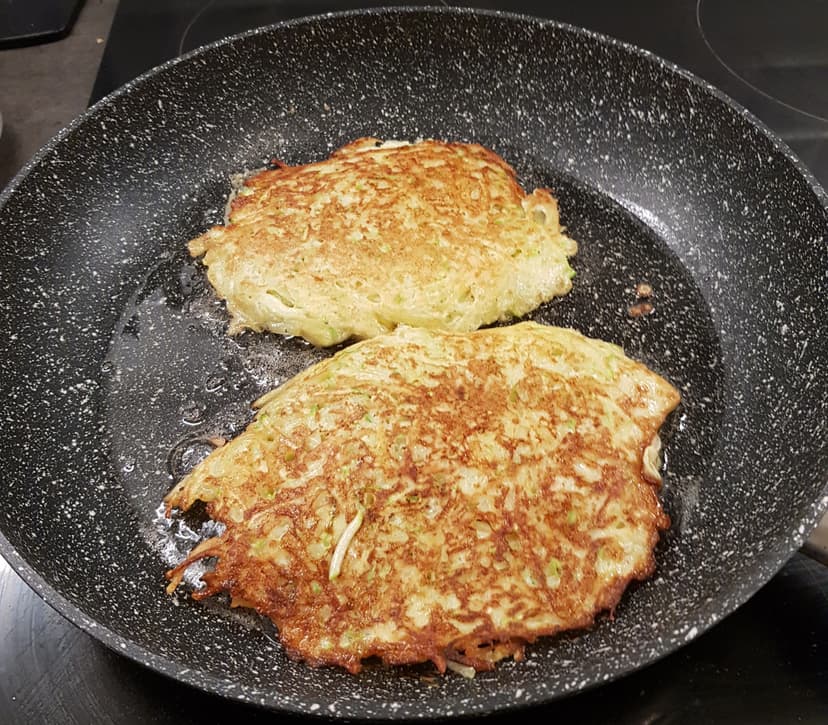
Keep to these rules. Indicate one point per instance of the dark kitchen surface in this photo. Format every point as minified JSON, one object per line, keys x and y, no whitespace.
{"x":44,"y":86}
{"x":35,"y":21}
{"x":766,"y":663}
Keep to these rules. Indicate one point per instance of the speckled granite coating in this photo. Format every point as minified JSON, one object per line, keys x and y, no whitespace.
{"x":116,"y":367}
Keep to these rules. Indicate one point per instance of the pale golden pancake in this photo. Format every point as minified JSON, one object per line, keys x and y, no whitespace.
{"x":430,"y":234}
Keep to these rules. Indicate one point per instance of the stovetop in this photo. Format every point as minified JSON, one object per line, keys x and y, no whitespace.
{"x":768,"y":662}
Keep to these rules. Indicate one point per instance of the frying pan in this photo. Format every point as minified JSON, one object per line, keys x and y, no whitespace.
{"x":117,"y":368}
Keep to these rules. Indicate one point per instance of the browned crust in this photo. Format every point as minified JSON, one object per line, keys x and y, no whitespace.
{"x":466,"y":399}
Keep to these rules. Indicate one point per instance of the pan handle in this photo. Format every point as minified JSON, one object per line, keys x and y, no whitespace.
{"x":817,"y":553}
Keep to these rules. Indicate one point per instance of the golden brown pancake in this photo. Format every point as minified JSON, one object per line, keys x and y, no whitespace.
{"x":438,"y":496}
{"x":430,"y":234}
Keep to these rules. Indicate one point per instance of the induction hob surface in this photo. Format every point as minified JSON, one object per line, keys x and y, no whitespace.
{"x":768,"y":662}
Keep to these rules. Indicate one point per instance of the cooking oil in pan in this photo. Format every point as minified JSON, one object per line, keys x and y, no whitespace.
{"x":177,"y":382}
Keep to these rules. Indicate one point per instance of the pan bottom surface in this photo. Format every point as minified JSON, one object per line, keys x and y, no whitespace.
{"x":171,"y":359}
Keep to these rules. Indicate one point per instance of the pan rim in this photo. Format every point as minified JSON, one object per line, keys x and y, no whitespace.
{"x":769,"y":561}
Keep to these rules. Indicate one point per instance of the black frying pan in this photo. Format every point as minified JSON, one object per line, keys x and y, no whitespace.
{"x":117,"y":368}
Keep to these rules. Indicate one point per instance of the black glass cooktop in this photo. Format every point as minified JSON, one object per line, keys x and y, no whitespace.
{"x":767,"y":663}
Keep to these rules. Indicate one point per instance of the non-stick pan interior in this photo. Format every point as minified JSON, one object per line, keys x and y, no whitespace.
{"x":118,"y":369}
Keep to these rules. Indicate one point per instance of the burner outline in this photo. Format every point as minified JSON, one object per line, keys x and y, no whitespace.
{"x":738,"y":77}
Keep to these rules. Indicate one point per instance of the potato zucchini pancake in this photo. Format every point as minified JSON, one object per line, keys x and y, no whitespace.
{"x":431,"y":234}
{"x":427,"y":495}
